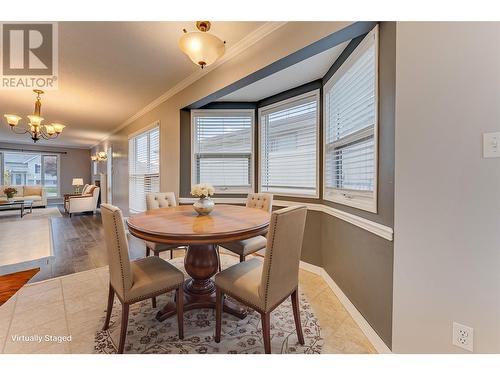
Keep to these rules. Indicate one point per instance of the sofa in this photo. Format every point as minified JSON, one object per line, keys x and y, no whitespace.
{"x":84,"y":202}
{"x":35,"y":193}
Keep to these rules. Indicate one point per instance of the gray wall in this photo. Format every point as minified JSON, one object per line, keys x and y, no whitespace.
{"x":447,"y":206}
{"x":75,"y":163}
{"x":360,"y":262}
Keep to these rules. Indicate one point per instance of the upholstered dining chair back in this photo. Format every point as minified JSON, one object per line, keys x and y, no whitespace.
{"x":160,"y":200}
{"x":281,"y":262}
{"x":261,"y":201}
{"x":120,"y":274}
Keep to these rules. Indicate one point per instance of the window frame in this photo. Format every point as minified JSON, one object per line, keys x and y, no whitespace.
{"x":155,"y":124}
{"x":218,"y":191}
{"x":363,"y":200}
{"x":312,"y":93}
{"x":42,"y":169}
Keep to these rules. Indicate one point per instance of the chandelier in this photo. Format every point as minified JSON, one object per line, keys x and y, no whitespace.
{"x":34,"y":127}
{"x":201,"y":47}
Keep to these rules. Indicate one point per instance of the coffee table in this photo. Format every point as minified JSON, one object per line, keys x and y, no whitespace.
{"x":21,"y":204}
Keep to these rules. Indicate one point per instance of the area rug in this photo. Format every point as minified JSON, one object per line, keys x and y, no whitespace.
{"x":147,"y":335}
{"x":38,"y":213}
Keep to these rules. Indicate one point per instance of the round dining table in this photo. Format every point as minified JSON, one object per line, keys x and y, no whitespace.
{"x":182,"y":226}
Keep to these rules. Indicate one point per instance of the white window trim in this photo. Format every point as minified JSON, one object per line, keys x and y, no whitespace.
{"x":145,"y":129}
{"x":251,"y":112}
{"x":311,"y":93}
{"x":366,"y":201}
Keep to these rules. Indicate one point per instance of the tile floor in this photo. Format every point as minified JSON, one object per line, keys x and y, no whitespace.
{"x":74,"y":304}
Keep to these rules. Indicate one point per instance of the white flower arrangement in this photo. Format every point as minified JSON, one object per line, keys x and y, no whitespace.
{"x":202,"y":190}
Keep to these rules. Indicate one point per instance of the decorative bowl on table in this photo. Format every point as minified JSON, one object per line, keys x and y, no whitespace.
{"x":204,"y":205}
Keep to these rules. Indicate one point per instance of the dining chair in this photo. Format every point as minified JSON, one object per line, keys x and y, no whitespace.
{"x":154,"y":201}
{"x":263,"y":286}
{"x":137,"y":280}
{"x":262,"y":201}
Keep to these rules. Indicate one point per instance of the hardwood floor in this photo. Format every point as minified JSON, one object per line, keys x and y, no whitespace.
{"x":11,"y":283}
{"x":79,"y":244}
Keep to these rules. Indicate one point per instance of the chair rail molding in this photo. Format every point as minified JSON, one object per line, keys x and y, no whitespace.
{"x":371,"y":226}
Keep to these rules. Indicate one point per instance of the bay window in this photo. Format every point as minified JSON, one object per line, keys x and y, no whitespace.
{"x":222,"y":149}
{"x":350,"y":145}
{"x":289,"y":146}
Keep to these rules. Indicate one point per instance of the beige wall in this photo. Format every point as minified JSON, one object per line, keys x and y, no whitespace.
{"x":75,"y":163}
{"x":282,"y":42}
{"x":447,"y":205}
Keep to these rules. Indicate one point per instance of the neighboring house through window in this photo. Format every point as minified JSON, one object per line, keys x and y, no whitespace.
{"x":22,"y":168}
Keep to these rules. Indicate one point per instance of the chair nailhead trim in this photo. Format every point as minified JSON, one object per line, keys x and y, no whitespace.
{"x":119,"y":251}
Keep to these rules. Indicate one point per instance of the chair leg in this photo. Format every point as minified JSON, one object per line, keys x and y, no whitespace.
{"x":172,"y":254}
{"x":266,"y":331}
{"x":153,"y":302}
{"x":111,"y":297}
{"x":296,"y":316}
{"x":219,"y":300}
{"x":180,"y":310}
{"x":148,"y":251}
{"x":218,"y":257}
{"x":242,"y":258}
{"x":123,"y":330}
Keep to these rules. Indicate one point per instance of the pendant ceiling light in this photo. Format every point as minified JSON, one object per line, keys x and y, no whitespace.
{"x":201,"y":47}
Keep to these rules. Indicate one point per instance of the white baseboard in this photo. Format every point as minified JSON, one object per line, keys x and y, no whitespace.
{"x":367,"y":329}
{"x":311,"y":268}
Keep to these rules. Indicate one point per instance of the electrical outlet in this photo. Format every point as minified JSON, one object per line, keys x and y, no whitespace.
{"x":463,"y":336}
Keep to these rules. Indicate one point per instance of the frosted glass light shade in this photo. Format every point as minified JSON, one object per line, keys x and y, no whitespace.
{"x":35,"y":120}
{"x":77,"y":182}
{"x":202,"y":48}
{"x":49,"y":129}
{"x":12,"y":120}
{"x":58,"y":128}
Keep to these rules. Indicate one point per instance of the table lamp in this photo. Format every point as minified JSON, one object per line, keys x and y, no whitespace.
{"x":77,"y":182}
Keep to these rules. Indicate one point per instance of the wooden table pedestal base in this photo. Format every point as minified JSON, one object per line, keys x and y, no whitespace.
{"x":201,"y":263}
{"x":200,"y":301}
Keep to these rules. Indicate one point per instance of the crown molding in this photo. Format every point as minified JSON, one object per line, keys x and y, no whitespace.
{"x":231,"y":52}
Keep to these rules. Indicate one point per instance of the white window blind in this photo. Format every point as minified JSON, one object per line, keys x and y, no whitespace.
{"x":144,"y":167}
{"x":222,"y":149}
{"x":351,"y":129}
{"x":288,"y":146}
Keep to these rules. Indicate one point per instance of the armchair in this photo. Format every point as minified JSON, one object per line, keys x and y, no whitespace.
{"x":84,"y":202}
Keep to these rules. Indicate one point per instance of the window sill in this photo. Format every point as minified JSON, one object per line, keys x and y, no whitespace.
{"x":365,"y":202}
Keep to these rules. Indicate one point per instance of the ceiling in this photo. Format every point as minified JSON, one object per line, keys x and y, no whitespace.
{"x":108,"y":71}
{"x":303,"y":72}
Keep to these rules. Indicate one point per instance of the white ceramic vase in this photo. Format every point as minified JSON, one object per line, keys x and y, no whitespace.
{"x":204,"y":206}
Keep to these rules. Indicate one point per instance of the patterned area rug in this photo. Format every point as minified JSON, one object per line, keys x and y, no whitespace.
{"x":147,"y":335}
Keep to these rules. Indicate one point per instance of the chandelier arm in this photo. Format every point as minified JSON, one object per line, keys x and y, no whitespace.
{"x":47,"y":136}
{"x":23,"y":130}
